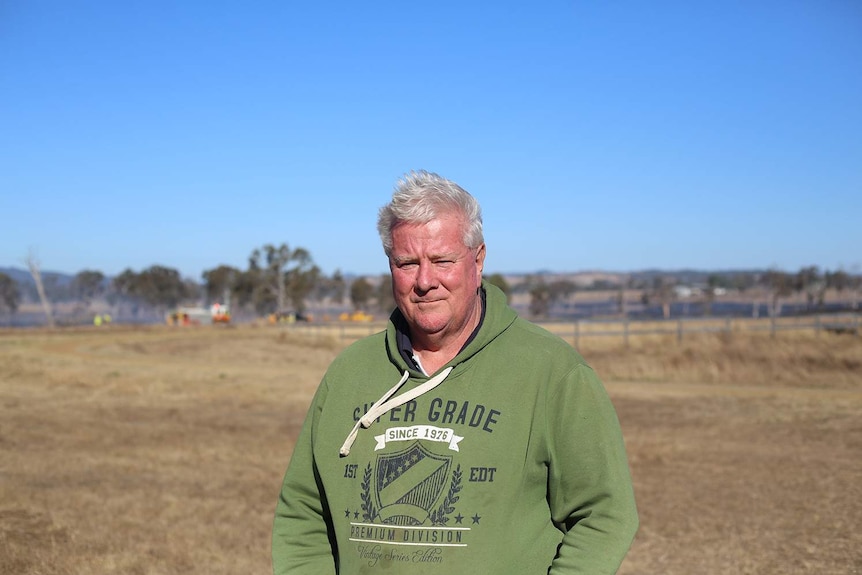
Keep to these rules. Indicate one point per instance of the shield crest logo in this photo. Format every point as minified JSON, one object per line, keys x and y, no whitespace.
{"x":409,"y":484}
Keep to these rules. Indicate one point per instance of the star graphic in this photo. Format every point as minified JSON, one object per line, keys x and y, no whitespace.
{"x":356,"y":514}
{"x":459,"y":518}
{"x":347,"y":513}
{"x":476,"y":519}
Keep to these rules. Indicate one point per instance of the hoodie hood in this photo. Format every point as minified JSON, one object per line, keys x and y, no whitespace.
{"x":497,"y":317}
{"x":492,"y":325}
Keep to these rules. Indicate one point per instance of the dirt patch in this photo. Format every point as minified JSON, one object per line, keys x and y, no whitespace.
{"x":161,"y":450}
{"x":742,"y":484}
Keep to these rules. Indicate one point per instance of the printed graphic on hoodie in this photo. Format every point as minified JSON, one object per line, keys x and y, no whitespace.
{"x":409,"y":498}
{"x":408,"y":502}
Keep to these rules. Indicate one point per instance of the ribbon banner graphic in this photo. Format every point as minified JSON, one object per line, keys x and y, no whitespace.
{"x":414,"y":432}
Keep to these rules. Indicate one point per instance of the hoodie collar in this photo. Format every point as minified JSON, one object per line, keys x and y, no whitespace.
{"x":402,"y":334}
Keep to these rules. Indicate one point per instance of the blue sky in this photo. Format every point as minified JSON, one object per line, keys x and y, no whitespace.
{"x":611,"y":136}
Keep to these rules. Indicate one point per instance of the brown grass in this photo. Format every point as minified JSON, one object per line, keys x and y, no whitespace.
{"x":790,"y":359}
{"x":161,"y":451}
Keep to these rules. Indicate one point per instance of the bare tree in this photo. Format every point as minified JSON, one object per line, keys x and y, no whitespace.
{"x":33,"y":265}
{"x":284,"y":274}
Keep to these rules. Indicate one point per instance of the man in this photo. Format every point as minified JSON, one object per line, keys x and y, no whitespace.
{"x":492,"y":449}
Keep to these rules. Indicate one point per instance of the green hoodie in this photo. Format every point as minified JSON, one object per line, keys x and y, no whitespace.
{"x":513,"y":464}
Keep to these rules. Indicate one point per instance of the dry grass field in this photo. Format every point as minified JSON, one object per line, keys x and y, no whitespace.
{"x":160,"y":450}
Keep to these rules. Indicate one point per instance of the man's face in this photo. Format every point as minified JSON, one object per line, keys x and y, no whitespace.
{"x":435,"y":276}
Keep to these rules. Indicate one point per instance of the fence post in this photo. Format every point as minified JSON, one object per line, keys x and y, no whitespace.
{"x":679,"y":330}
{"x":626,"y":332}
{"x":817,"y":325}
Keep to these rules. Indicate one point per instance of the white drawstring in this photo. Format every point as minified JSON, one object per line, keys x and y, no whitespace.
{"x":381,"y":406}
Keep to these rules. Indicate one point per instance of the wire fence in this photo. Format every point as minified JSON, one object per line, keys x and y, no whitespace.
{"x":686,"y":327}
{"x":575,"y":331}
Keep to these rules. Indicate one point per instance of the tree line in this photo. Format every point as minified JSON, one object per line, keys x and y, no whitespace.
{"x":663,"y":289}
{"x":278,"y":278}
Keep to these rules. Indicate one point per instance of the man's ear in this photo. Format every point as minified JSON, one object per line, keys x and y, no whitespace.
{"x":480,"y":261}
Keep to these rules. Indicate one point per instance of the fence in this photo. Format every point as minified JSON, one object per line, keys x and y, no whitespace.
{"x":680,"y":328}
{"x":575,"y":331}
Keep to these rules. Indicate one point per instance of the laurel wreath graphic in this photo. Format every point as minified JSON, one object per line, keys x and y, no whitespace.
{"x":441,"y":516}
{"x":438,"y":517}
{"x":368,"y":510}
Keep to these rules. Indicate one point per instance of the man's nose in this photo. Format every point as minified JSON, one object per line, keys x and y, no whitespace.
{"x":426,"y":279}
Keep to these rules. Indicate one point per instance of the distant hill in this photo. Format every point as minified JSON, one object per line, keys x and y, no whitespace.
{"x":645,"y":277}
{"x":581,"y":278}
{"x":23,"y":277}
